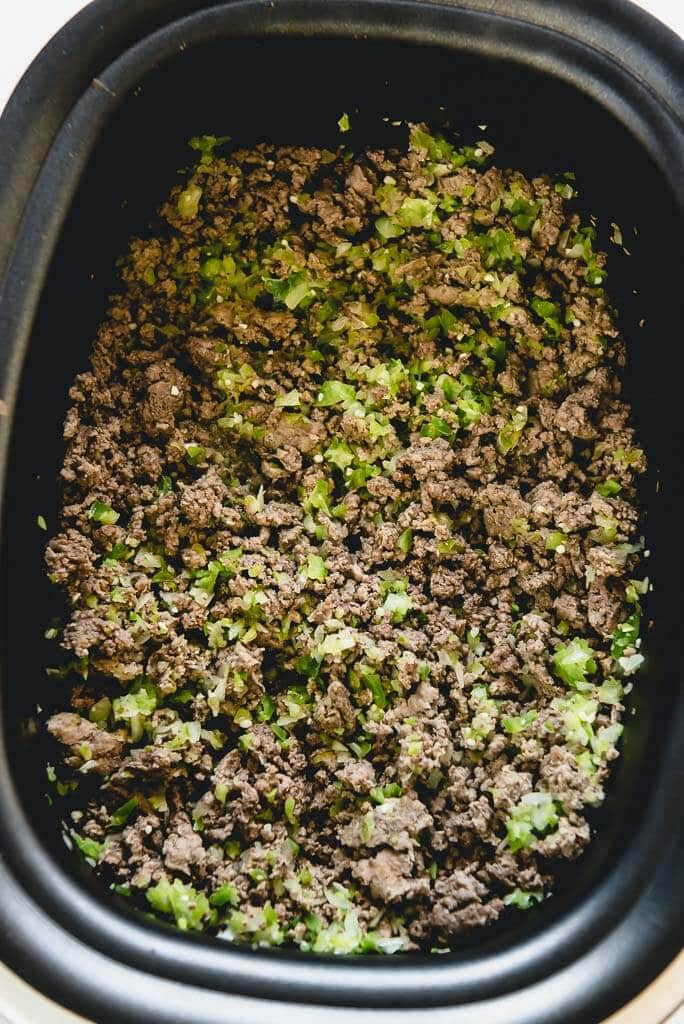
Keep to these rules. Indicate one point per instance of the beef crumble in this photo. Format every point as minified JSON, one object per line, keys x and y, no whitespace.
{"x":349,"y":532}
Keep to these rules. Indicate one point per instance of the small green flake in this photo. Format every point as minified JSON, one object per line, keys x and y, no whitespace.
{"x":188,"y":202}
{"x":405,"y":542}
{"x":101,"y":513}
{"x":316,"y":568}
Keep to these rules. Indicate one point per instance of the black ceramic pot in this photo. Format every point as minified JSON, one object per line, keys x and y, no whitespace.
{"x":90,"y":142}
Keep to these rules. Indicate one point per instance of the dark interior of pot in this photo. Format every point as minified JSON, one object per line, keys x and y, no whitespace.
{"x":294,"y":90}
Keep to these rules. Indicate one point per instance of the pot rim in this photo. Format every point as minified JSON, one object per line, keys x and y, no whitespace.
{"x":43,"y":909}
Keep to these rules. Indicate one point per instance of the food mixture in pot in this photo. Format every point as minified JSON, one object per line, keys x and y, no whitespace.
{"x":349,"y":536}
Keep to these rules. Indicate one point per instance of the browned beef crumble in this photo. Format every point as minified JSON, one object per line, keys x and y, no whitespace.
{"x":348,"y":534}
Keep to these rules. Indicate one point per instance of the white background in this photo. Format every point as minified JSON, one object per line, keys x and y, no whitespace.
{"x":26,"y":27}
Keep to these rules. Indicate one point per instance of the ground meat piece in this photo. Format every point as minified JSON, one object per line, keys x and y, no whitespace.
{"x":567,"y":607}
{"x":567,"y":841}
{"x":574,"y":513}
{"x":90,"y":749}
{"x":605,"y":610}
{"x":428,"y":457}
{"x":446,"y":583}
{"x":152,"y":767}
{"x":509,"y":786}
{"x":173,"y":662}
{"x":183,"y":848}
{"x":358,"y":776}
{"x":606,"y":561}
{"x":159,"y":407}
{"x":140,"y":842}
{"x":69,"y":556}
{"x":335,"y":712}
{"x":564,"y":778}
{"x":278,"y":513}
{"x":205,"y":354}
{"x":358,"y":181}
{"x":117,"y":648}
{"x":202,"y":502}
{"x":503,"y":510}
{"x":459,"y":904}
{"x":508,"y":871}
{"x":396,"y":823}
{"x":545,"y":501}
{"x":388,"y":876}
{"x":473,"y":915}
{"x":503,"y":659}
{"x":478,"y":817}
{"x":284,"y":430}
{"x":445,"y":294}
{"x":573,"y":418}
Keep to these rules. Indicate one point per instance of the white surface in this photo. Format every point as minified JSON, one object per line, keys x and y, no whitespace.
{"x":20,"y":1004}
{"x":27,"y":26}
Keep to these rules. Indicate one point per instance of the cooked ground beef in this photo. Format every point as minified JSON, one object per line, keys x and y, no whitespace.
{"x":349,"y":532}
